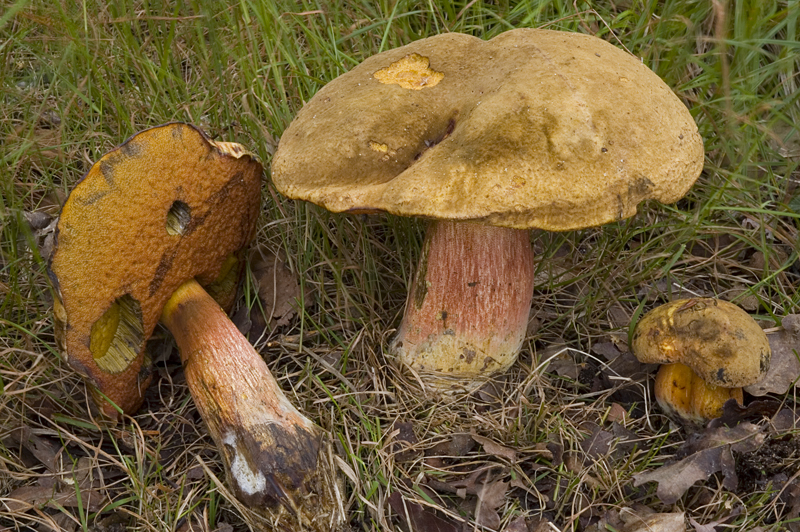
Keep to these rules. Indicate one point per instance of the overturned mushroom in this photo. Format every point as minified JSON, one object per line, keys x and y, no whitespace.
{"x":532,"y":129}
{"x":150,"y":224}
{"x":710,"y":349}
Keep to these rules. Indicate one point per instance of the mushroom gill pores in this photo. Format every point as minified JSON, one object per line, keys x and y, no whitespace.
{"x":487,"y":139}
{"x":706,"y":346}
{"x":152,"y":221}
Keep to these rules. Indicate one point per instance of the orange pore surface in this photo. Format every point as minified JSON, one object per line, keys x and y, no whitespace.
{"x":112,"y":237}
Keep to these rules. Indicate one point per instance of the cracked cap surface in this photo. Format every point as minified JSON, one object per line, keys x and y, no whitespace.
{"x":166,"y":206}
{"x":532,"y":129}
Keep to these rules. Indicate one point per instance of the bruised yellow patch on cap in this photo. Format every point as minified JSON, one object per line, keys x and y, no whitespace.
{"x":411,"y":72}
{"x":377,"y":146}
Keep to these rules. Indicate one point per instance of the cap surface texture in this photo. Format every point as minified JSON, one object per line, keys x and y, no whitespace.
{"x":532,"y":129}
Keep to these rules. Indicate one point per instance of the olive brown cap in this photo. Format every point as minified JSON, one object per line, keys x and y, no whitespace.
{"x":168,"y":205}
{"x":531,"y":129}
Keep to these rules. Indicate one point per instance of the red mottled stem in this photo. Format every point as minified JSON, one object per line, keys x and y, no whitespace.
{"x":467,"y":310}
{"x":277,"y":460}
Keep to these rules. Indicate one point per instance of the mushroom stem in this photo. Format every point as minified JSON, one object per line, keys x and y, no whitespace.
{"x":277,"y":460}
{"x":681,"y":392}
{"x":468,"y":307}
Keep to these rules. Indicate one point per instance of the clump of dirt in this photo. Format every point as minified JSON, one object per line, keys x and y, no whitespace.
{"x":775,"y":462}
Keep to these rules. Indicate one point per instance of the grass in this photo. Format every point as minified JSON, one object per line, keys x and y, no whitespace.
{"x":76,"y":79}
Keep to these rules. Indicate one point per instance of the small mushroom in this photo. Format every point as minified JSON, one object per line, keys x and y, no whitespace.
{"x":710,"y":349}
{"x":151,"y":224}
{"x":487,"y":139}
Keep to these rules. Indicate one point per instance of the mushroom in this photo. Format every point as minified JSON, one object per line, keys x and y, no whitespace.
{"x":710,"y":349}
{"x":153,"y":222}
{"x":487,"y":139}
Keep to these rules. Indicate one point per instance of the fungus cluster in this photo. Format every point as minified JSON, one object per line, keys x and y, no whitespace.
{"x":486,"y":139}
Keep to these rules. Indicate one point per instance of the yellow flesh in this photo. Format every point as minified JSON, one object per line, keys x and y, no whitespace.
{"x":117,"y":336}
{"x":412,"y":72}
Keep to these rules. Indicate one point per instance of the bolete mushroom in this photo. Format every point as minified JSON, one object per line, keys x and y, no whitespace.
{"x":531,"y":129}
{"x":710,"y":349}
{"x":150,"y":224}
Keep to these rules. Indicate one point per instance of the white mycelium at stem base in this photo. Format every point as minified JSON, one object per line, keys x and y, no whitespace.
{"x":278,"y":461}
{"x":467,"y":310}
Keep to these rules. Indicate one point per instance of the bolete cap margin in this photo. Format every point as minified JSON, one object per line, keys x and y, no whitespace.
{"x":531,"y":129}
{"x":185,"y":206}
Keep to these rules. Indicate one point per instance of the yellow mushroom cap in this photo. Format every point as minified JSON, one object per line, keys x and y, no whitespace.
{"x":718,"y":340}
{"x":166,"y":206}
{"x":531,"y":129}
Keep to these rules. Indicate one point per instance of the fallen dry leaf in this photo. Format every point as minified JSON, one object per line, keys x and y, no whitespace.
{"x":784,"y":139}
{"x":608,"y":520}
{"x":784,"y":420}
{"x":45,"y":450}
{"x":667,"y":522}
{"x":557,"y":359}
{"x":491,"y":496}
{"x":784,"y":369}
{"x":459,"y":444}
{"x":713,"y":526}
{"x":195,"y":473}
{"x":29,"y":497}
{"x":621,"y":361}
{"x":617,"y":413}
{"x":742,"y":295}
{"x":517,"y":525}
{"x":598,"y":443}
{"x":489,"y":491}
{"x":733,"y":413}
{"x":405,"y":441}
{"x":710,"y":527}
{"x":566,"y":368}
{"x":608,"y":350}
{"x":791,"y":496}
{"x":495,"y":449}
{"x":278,"y":288}
{"x":418,"y":518}
{"x":708,"y":453}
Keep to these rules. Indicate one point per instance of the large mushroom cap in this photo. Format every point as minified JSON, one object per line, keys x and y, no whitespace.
{"x":718,"y":340}
{"x":134,"y":229}
{"x":532,"y":129}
